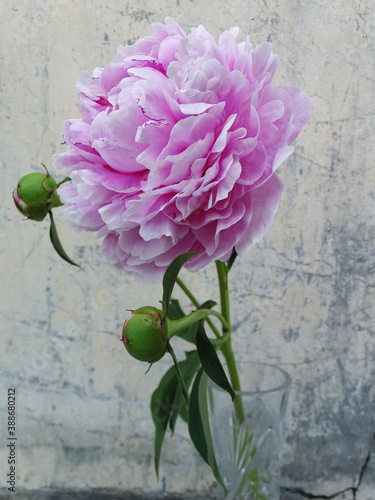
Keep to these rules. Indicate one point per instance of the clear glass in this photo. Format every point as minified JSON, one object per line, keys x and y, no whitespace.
{"x":248,"y":452}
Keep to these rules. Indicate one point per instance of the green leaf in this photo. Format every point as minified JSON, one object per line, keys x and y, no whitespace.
{"x":55,"y":240}
{"x":210,"y":361}
{"x":199,"y":425}
{"x":167,"y":400}
{"x":175,"y":310}
{"x":170,"y":277}
{"x":231,"y":260}
{"x":209,"y":304}
{"x":184,"y":414}
{"x":162,"y":401}
{"x":180,"y":378}
{"x":189,"y":368}
{"x":196,"y":428}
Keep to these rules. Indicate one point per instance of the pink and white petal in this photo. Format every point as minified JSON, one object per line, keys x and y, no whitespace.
{"x":301,"y":106}
{"x":264,"y":204}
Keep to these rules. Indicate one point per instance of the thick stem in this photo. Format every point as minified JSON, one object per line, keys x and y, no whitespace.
{"x":226,"y":349}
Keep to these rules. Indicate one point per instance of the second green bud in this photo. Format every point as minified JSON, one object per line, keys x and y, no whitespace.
{"x":144,"y":335}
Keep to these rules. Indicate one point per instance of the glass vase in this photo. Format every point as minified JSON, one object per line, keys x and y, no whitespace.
{"x":248,"y":451}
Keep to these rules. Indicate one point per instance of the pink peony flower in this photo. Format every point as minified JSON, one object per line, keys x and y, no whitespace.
{"x":177,"y":147}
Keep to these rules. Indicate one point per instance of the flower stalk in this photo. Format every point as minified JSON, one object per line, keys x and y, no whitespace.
{"x":176,"y":326}
{"x":194,"y":300}
{"x":226,"y":348}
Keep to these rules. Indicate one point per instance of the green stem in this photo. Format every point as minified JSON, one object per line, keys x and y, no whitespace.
{"x":177,"y":325}
{"x":194,"y":300}
{"x":222,"y":272}
{"x":224,"y":293}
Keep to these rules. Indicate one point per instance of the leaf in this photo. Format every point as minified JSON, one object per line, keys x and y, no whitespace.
{"x":170,"y":277}
{"x":161,"y":409}
{"x":209,"y":304}
{"x":55,"y":240}
{"x":188,"y":368}
{"x":199,"y":426}
{"x":175,"y":311}
{"x":184,"y":414}
{"x":179,"y":376}
{"x":231,"y":260}
{"x":167,"y":400}
{"x":196,"y":428}
{"x":210,"y":361}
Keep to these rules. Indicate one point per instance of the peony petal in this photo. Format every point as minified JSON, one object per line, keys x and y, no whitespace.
{"x":168,"y":50}
{"x":301,"y":106}
{"x":265,"y":201}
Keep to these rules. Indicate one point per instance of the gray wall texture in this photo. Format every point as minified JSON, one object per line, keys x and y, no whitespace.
{"x":303,"y":298}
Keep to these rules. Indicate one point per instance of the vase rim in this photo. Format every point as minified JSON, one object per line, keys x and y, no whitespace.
{"x":279,"y":387}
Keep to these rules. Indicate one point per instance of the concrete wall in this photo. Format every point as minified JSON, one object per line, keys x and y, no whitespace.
{"x":303,"y":298}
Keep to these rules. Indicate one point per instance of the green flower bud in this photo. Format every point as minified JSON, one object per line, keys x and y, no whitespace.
{"x":35,"y":195}
{"x":144,"y":336}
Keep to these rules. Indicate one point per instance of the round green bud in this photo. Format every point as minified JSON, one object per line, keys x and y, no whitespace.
{"x":143,"y":334}
{"x":35,"y":195}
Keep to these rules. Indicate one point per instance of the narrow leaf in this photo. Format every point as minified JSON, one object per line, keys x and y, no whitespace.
{"x":199,"y":426}
{"x":189,"y":368}
{"x":184,"y":414}
{"x":170,"y":277}
{"x":209,"y":304}
{"x":210,"y":361}
{"x":161,"y":409}
{"x":175,"y":310}
{"x":167,"y":400}
{"x":55,"y":240}
{"x":231,"y":259}
{"x":196,"y":429}
{"x":180,"y":378}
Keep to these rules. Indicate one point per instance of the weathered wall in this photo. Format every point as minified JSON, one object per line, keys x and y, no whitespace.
{"x":303,"y":298}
